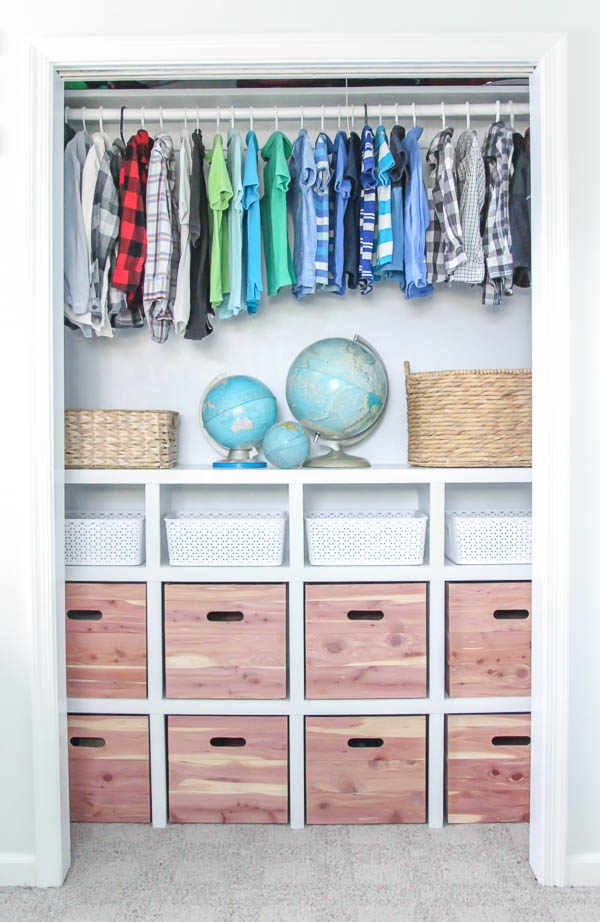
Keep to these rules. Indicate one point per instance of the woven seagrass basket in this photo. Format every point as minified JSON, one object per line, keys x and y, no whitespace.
{"x":120,"y":438}
{"x":476,"y":418}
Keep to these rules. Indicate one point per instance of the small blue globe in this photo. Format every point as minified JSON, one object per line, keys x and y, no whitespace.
{"x":237,"y":412}
{"x":337,"y":387}
{"x":286,"y":445}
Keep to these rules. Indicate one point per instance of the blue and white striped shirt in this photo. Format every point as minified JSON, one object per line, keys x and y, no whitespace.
{"x":385,"y":162}
{"x":321,"y":197}
{"x":368,"y":181}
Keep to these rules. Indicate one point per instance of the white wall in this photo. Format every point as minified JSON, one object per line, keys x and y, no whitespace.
{"x":21,"y":21}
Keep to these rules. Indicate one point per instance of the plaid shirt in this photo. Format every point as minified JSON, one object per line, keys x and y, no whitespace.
{"x":162,"y":240}
{"x":444,"y":237}
{"x":129,"y":267}
{"x":497,"y":152}
{"x":105,"y":226}
{"x":470,"y":179}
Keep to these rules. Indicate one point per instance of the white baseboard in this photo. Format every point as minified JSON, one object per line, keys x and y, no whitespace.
{"x":583,"y":870}
{"x":18,"y":870}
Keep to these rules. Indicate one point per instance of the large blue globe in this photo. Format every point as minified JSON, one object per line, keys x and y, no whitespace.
{"x":237,"y":412}
{"x":337,"y":387}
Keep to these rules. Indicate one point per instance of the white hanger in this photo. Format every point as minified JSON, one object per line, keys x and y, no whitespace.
{"x":101,"y":120}
{"x":414,"y":114}
{"x":347,"y":109}
{"x":339,"y":117}
{"x":143,"y":119}
{"x":511,"y":109}
{"x":301,"y":117}
{"x":276,"y":119}
{"x":218,"y":119}
{"x":161,"y":120}
{"x":251,"y":118}
{"x":232,"y":118}
{"x":353,"y":116}
{"x":380,"y":113}
{"x":197,"y":118}
{"x":396,"y":112}
{"x":322,"y":118}
{"x":83,"y":119}
{"x":443,"y":116}
{"x":468,"y":107}
{"x":497,"y":110}
{"x":185,"y":119}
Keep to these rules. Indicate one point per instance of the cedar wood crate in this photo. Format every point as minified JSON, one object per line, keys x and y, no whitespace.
{"x":478,"y":418}
{"x":130,"y":439}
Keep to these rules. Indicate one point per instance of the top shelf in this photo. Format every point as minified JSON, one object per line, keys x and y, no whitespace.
{"x":378,"y":474}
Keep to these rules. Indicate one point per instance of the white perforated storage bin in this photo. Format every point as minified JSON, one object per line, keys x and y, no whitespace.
{"x":355,"y":538}
{"x":104,"y":538}
{"x":226,"y":539}
{"x":488,"y":537}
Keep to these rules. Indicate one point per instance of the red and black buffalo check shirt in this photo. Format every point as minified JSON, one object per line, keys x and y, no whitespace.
{"x":129,"y":267}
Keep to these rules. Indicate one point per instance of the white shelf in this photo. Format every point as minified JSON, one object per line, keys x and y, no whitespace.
{"x":378,"y":474}
{"x":432,"y":489}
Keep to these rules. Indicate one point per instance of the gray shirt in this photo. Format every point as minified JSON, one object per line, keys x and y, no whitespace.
{"x":76,"y":255}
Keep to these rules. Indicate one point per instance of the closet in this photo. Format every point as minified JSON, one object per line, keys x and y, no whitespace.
{"x":164,"y":687}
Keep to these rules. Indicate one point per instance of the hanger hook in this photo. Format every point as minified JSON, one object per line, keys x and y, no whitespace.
{"x":497,"y":110}
{"x":276,"y":119}
{"x":197,"y":118}
{"x":218,"y":119}
{"x":185,"y":119}
{"x":143,"y":119}
{"x":339,"y":117}
{"x":121,"y":120}
{"x":511,"y":109}
{"x":161,"y":119}
{"x":468,"y":108}
{"x":101,"y":120}
{"x":366,"y":113}
{"x":83,"y":119}
{"x":232,"y":117}
{"x":380,"y":113}
{"x":347,"y":109}
{"x":414,"y":114}
{"x":396,"y":112}
{"x":322,"y":118}
{"x":301,"y":117}
{"x":251,"y":118}
{"x":443,"y":115}
{"x":353,"y":115}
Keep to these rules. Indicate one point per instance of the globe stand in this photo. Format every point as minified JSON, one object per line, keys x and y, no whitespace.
{"x":337,"y":457}
{"x":239,"y":457}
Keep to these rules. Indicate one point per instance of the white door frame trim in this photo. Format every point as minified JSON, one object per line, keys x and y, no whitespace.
{"x":307,"y":55}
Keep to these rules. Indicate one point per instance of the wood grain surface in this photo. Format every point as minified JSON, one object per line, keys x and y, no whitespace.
{"x":355,"y":658}
{"x":106,"y":658}
{"x":110,"y":783}
{"x":487,"y":783}
{"x":385,"y":784}
{"x":228,"y":784}
{"x":487,"y":656}
{"x":225,"y":659}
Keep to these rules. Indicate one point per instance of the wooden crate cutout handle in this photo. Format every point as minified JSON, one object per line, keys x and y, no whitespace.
{"x":511,"y":740}
{"x":90,"y":742}
{"x":515,"y":614}
{"x":365,"y":742}
{"x":359,"y":615}
{"x":225,"y":616}
{"x":228,"y":741}
{"x":84,"y":614}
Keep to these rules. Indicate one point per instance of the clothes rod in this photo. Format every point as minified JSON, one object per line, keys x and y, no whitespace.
{"x":354,"y":111}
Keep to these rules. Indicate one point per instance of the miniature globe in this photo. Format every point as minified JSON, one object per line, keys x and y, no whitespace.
{"x":286,"y":445}
{"x":338,"y":388}
{"x":236,"y":413}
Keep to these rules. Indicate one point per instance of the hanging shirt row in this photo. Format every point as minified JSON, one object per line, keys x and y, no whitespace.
{"x":177,"y":243}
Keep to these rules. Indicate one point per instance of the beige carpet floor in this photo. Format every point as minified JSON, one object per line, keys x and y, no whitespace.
{"x":328,"y":874}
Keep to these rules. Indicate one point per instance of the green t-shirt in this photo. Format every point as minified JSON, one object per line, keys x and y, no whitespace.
{"x":273,"y":210}
{"x":219,"y":196}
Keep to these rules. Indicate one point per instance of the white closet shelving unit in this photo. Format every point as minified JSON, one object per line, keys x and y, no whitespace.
{"x":436,"y":486}
{"x":426,"y":334}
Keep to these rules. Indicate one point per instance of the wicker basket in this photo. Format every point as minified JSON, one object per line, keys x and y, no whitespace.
{"x":120,"y":438}
{"x":469,"y":418}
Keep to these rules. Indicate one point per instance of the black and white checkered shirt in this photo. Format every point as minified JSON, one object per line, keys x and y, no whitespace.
{"x":444,"y":238}
{"x":470,"y":180}
{"x":497,"y":153}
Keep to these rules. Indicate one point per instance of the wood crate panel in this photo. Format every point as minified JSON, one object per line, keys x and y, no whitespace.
{"x":383,"y":784}
{"x":356,"y":658}
{"x":244,"y":658}
{"x":106,"y":655}
{"x":227,"y":784}
{"x":488,"y":656}
{"x":109,"y":783}
{"x":487,"y":783}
